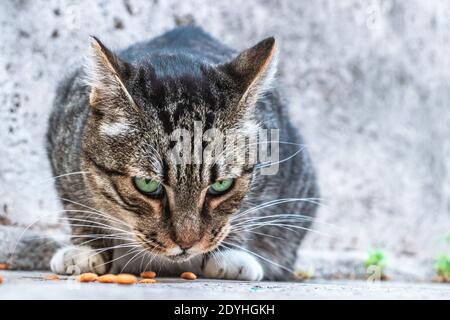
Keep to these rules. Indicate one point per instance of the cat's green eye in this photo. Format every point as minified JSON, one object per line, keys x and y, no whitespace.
{"x":221,"y":186}
{"x":147,"y":186}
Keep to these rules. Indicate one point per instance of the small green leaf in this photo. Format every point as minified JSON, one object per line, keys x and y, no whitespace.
{"x":442,"y":265}
{"x":375,"y":258}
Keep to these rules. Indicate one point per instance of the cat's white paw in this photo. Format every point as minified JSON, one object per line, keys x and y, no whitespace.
{"x":76,"y":260}
{"x":233,"y":265}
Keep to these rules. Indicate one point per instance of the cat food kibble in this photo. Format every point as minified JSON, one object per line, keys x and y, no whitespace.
{"x":188,"y":276}
{"x":87,"y":277}
{"x":4,"y":266}
{"x":126,"y":279}
{"x":1,"y":279}
{"x":52,"y":277}
{"x":148,"y":275}
{"x":147,"y":281}
{"x":107,"y":278}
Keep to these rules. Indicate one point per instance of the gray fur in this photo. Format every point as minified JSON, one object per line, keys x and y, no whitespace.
{"x":173,"y":80}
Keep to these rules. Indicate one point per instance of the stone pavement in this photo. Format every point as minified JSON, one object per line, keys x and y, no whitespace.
{"x":31,"y":285}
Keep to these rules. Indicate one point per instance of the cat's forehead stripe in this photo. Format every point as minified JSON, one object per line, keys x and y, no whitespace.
{"x":178,"y":98}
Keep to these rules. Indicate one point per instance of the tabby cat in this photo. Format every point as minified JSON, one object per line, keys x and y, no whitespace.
{"x":132,"y":207}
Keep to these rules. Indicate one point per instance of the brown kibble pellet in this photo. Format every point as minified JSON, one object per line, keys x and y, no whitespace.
{"x":1,"y":279}
{"x":87,"y":277}
{"x":148,"y":275}
{"x":125,"y":278}
{"x":107,"y":278}
{"x":146,"y":281}
{"x":52,"y":277}
{"x":188,"y":276}
{"x":4,"y":266}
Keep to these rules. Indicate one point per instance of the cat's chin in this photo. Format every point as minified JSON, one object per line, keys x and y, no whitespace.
{"x":180,"y":257}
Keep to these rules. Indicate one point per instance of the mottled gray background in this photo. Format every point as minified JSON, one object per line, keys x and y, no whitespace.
{"x":367,"y":81}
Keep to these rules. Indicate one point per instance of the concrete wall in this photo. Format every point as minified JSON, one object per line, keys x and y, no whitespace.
{"x":367,"y":81}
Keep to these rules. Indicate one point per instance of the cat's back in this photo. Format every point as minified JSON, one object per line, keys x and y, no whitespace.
{"x":182,"y":41}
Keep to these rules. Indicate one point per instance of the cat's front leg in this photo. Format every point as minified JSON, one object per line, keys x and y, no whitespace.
{"x":78,"y":259}
{"x":233,"y":265}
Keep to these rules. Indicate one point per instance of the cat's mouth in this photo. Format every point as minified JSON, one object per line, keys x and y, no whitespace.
{"x":183,"y":256}
{"x":177,"y":254}
{"x":180,"y":255}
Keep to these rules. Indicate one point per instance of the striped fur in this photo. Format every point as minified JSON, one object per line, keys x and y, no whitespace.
{"x":114,"y":120}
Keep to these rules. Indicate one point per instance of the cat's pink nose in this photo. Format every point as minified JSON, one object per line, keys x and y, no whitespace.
{"x":186,"y":244}
{"x":186,"y":234}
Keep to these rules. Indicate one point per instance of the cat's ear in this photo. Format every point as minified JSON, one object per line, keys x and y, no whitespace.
{"x":106,"y":77}
{"x":253,"y":70}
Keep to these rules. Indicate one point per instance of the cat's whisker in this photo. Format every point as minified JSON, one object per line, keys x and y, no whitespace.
{"x":52,"y":179}
{"x":155,"y":152}
{"x":257,"y":255}
{"x":92,"y":209}
{"x":93,"y":224}
{"x":218,"y":258}
{"x":57,"y":238}
{"x":125,"y":237}
{"x":283,"y":200}
{"x":108,"y":217}
{"x":28,"y":227}
{"x":44,"y":244}
{"x":92,"y":220}
{"x":89,"y":218}
{"x":106,"y":236}
{"x":152,"y":254}
{"x":257,"y":225}
{"x":268,"y":164}
{"x":275,"y":202}
{"x":98,"y":238}
{"x":132,"y":247}
{"x":100,"y":251}
{"x":264,"y":234}
{"x":215,"y":257}
{"x":238,"y":149}
{"x":152,"y":257}
{"x":84,"y":243}
{"x":53,"y":240}
{"x":64,"y":235}
{"x":134,"y":257}
{"x":233,"y":236}
{"x":285,"y":216}
{"x":285,"y":226}
{"x":103,"y":235}
{"x":221,"y":253}
{"x":116,"y":246}
{"x":280,"y":216}
{"x":154,"y":158}
{"x":144,"y":256}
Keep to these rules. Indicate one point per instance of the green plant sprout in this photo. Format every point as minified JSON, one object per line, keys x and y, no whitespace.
{"x":376,"y":258}
{"x":442,"y":266}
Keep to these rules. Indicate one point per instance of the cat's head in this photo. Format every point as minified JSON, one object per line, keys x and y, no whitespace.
{"x":173,"y":209}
